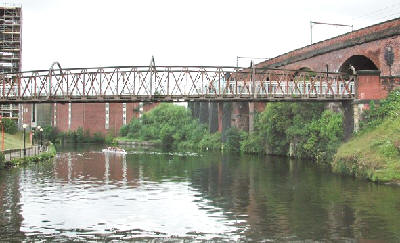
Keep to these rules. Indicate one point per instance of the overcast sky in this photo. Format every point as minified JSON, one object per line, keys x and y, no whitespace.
{"x":87,"y":33}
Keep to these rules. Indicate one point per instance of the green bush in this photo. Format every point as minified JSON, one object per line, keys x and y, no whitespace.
{"x":123,"y":131}
{"x":173,"y":125}
{"x":210,"y":142}
{"x":2,"y":160}
{"x":252,"y":143}
{"x":304,"y":127}
{"x":319,"y":138}
{"x":10,"y":126}
{"x":50,"y":133}
{"x":233,"y":138}
{"x":376,"y":115}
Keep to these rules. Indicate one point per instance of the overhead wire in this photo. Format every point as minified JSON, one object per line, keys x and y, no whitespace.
{"x":376,"y":11}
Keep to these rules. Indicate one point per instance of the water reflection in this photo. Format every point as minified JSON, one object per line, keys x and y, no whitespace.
{"x":155,"y":194}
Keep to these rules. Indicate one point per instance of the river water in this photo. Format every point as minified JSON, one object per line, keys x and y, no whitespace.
{"x":149,"y":194}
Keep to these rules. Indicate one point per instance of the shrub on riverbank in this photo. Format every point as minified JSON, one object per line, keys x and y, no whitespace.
{"x":302,"y":130}
{"x":9,"y":125}
{"x":374,"y":153}
{"x":78,"y":136}
{"x":172,"y":125}
{"x":37,"y":158}
{"x":376,"y":115}
{"x":2,"y":160}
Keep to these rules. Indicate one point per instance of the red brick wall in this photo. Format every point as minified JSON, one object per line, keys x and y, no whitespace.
{"x":132,"y":110}
{"x":62,"y":117}
{"x":26,"y":114}
{"x":240,"y":115}
{"x":91,"y":116}
{"x":370,"y":88}
{"x":259,"y":106}
{"x":94,"y":117}
{"x":116,"y":119}
{"x":149,"y":106}
{"x":373,"y":50}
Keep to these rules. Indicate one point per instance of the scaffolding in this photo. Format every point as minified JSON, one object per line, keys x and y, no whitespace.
{"x":10,"y":50}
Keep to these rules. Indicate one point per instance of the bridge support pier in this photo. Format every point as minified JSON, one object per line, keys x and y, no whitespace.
{"x":213,"y":117}
{"x":349,"y":117}
{"x":226,"y":115}
{"x":251,"y":117}
{"x":203,"y":116}
{"x":220,"y":116}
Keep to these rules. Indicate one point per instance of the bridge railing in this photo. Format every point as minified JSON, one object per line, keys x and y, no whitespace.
{"x":171,"y":83}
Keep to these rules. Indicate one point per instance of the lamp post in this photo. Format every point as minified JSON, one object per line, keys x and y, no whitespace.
{"x":41,"y":137}
{"x":24,"y":126}
{"x":38,"y":132}
{"x":2,"y":133}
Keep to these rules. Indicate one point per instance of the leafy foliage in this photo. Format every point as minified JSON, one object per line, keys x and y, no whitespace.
{"x":78,"y":136}
{"x":10,"y":126}
{"x":172,"y":125}
{"x":374,"y":153}
{"x":376,"y":115}
{"x":311,"y":131}
{"x":2,"y":160}
{"x":233,"y":138}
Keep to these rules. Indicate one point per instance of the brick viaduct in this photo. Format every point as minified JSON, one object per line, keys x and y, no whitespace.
{"x":366,"y":51}
{"x":376,"y":47}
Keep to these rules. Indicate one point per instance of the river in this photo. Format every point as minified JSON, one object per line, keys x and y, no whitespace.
{"x":150,"y":194}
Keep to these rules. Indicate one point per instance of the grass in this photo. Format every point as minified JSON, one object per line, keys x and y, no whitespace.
{"x":44,"y":156}
{"x":15,"y":141}
{"x":373,"y":154}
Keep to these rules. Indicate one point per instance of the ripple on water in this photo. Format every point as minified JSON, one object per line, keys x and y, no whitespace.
{"x":183,"y":196}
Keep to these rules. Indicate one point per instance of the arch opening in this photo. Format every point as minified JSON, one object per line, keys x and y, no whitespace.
{"x":358,"y":62}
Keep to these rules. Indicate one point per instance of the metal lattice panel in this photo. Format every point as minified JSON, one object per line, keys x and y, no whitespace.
{"x":168,"y":83}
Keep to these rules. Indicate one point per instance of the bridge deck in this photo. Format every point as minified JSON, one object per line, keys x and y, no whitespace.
{"x":173,"y":83}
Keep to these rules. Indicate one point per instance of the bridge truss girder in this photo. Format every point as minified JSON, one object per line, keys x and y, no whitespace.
{"x":173,"y":83}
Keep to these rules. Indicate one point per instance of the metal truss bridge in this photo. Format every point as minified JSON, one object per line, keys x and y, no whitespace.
{"x":172,"y":83}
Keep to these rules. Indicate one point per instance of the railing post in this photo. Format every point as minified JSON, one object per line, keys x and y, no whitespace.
{"x":168,"y":73}
{"x":219,"y":82}
{"x":253,"y":79}
{"x":4,"y":86}
{"x":50,"y":78}
{"x":84,"y":84}
{"x":117,"y":88}
{"x":19,"y":86}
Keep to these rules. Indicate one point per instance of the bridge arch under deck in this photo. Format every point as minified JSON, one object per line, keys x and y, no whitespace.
{"x":358,"y":62}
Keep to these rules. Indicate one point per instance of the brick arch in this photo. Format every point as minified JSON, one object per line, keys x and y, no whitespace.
{"x":332,"y":53}
{"x":358,"y":62}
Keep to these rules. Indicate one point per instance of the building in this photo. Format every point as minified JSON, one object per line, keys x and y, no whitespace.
{"x":10,"y":50}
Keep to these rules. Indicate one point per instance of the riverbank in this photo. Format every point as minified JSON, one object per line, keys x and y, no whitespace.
{"x":133,"y":142}
{"x":43,"y":156}
{"x":374,"y":154}
{"x":15,"y":141}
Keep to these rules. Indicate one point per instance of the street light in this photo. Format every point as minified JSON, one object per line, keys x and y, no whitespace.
{"x":2,"y":134}
{"x":38,"y":131}
{"x":41,"y":137}
{"x":24,"y":126}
